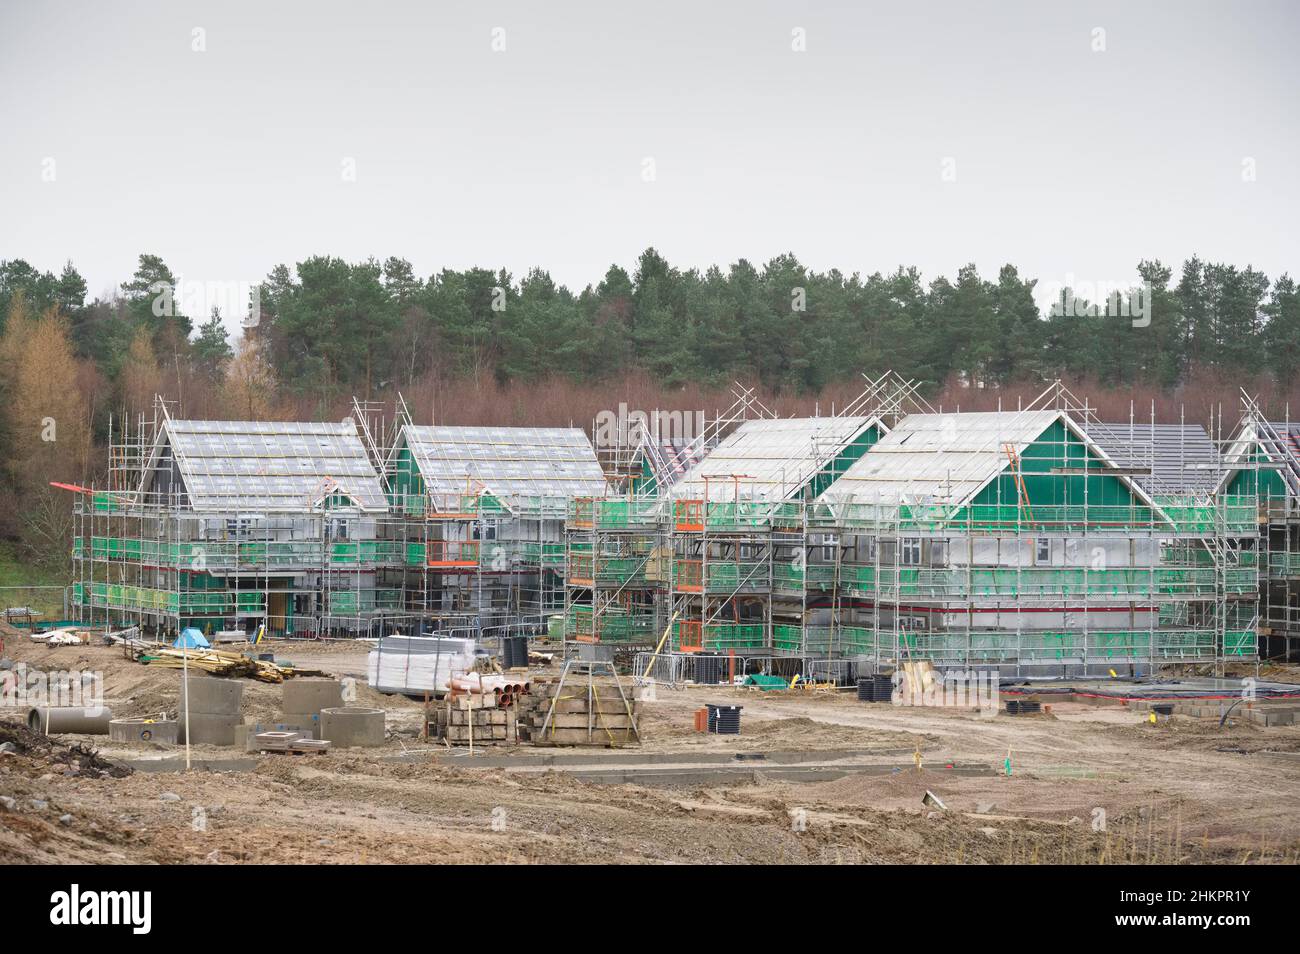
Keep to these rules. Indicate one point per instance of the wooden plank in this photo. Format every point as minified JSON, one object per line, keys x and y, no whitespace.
{"x":579,"y":720}
{"x":462,"y":733}
{"x":603,"y":704}
{"x":483,"y":717}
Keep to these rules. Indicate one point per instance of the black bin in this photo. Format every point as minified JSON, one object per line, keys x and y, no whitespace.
{"x":884,"y":686}
{"x":877,"y":688}
{"x":709,"y":669}
{"x":724,"y":720}
{"x":514,"y":651}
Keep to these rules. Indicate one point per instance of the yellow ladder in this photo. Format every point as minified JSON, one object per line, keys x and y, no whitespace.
{"x":1018,"y":476}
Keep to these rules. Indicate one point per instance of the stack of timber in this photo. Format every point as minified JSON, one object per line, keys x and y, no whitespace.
{"x":581,"y":711}
{"x":551,"y":712}
{"x":478,"y":718}
{"x":480,"y":711}
{"x":217,"y":663}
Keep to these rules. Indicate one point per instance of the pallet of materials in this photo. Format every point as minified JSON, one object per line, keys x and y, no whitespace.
{"x":487,"y":718}
{"x":580,"y":715}
{"x":294,"y":743}
{"x":545,"y":714}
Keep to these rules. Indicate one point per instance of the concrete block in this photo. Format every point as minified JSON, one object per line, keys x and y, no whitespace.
{"x":309,"y":745}
{"x":208,"y":729}
{"x":304,"y":720}
{"x":311,"y":695}
{"x":164,"y":731}
{"x":248,"y":732}
{"x":210,"y":695}
{"x":1270,"y":717}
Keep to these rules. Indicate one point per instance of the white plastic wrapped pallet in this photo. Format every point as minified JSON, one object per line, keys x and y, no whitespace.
{"x":417,"y":664}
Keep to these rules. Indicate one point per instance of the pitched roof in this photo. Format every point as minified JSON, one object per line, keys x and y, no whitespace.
{"x":509,"y":462}
{"x":1240,"y":451}
{"x":671,"y":458}
{"x":1181,"y":457}
{"x":774,"y":458}
{"x":1289,"y":431}
{"x":939,"y":457}
{"x":270,"y":465}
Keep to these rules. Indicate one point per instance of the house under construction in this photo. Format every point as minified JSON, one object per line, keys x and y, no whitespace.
{"x":893,"y":532}
{"x":235,"y":525}
{"x":316,"y":530}
{"x":483,"y":509}
{"x":1039,"y":540}
{"x":617,"y":543}
{"x":1015,"y":539}
{"x":1263,"y":461}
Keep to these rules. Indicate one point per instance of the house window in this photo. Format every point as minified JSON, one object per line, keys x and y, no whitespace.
{"x":828,"y":549}
{"x":910,"y":551}
{"x":1043,"y":550}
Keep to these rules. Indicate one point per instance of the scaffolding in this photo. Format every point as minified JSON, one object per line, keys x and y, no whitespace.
{"x":745,"y":541}
{"x":1041,"y":541}
{"x":1263,"y":458}
{"x":482,"y":511}
{"x":1015,"y":539}
{"x":236,"y":526}
{"x":619,"y":545}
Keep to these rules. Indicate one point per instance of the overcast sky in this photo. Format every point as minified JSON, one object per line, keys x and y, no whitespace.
{"x":931,"y":134}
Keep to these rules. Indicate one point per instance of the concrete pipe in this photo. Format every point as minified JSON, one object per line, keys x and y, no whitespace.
{"x":352,"y":726}
{"x":210,"y":695}
{"x":213,"y":729}
{"x":84,"y":721}
{"x":311,"y":695}
{"x":165,"y":731}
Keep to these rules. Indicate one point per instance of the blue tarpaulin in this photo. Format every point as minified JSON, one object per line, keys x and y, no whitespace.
{"x":191,"y":638}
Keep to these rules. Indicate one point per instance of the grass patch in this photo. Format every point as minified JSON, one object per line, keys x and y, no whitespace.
{"x":19,"y":577}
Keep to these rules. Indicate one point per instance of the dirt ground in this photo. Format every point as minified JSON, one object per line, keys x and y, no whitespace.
{"x":1089,"y":784}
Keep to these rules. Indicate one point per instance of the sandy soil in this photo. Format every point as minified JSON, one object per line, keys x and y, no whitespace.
{"x":1088,"y":784}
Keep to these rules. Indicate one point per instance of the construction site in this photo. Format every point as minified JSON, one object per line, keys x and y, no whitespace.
{"x":891,"y":632}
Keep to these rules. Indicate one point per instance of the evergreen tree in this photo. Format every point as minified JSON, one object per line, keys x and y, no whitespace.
{"x":1281,"y":334}
{"x":212,"y":346}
